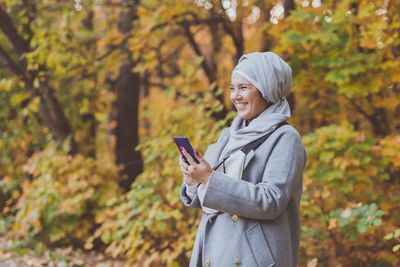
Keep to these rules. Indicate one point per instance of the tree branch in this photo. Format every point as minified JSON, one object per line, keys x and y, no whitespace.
{"x":195,"y":20}
{"x":7,"y":26}
{"x":358,"y":108}
{"x":10,"y":64}
{"x":210,"y":74}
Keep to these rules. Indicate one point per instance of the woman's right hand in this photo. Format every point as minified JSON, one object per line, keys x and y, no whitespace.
{"x":184,"y":166}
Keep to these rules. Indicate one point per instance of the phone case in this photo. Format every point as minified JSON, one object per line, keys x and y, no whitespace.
{"x":183,"y":141}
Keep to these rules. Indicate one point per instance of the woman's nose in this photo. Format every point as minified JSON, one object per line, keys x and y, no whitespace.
{"x":236,"y":94}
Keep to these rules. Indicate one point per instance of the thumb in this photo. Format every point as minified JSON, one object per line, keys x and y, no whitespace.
{"x":199,"y":156}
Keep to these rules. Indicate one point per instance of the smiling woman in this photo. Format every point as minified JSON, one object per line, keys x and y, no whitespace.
{"x":249,"y":183}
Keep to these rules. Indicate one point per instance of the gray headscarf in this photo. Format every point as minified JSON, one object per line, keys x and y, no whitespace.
{"x":273,"y":78}
{"x":267,"y":72}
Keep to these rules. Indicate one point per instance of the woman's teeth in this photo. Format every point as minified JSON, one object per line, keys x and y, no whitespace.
{"x":241,"y":105}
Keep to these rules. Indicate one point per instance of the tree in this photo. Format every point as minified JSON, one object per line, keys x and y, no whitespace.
{"x":126,"y":106}
{"x":50,"y":113}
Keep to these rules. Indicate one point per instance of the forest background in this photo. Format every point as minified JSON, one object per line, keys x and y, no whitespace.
{"x":93,"y":91}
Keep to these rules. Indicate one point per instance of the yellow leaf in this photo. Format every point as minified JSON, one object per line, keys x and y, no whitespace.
{"x":141,"y":11}
{"x":332,"y":224}
{"x":388,"y":103}
{"x":312,"y":263}
{"x":385,"y":207}
{"x":372,"y":171}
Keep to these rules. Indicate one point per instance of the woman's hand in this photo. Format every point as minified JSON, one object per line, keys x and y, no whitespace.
{"x":184,"y":165}
{"x":195,"y":172}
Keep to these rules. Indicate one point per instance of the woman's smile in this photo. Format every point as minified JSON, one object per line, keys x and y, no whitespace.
{"x":241,"y":106}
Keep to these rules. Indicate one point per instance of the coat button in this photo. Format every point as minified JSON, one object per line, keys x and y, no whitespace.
{"x":207,"y":263}
{"x":237,"y":262}
{"x":235,"y":217}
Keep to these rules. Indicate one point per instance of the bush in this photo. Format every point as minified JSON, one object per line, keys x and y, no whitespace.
{"x":350,"y":196}
{"x":59,"y":203}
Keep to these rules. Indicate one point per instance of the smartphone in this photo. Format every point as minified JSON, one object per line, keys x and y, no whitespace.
{"x":183,"y":141}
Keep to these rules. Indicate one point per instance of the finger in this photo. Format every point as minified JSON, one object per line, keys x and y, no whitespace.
{"x":188,"y":157}
{"x":185,"y":170}
{"x":199,"y":156}
{"x":182,"y":165}
{"x":182,"y":157}
{"x":182,"y":161}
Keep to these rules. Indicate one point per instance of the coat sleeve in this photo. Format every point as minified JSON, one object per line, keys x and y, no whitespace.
{"x":187,"y":200}
{"x":266,"y":200}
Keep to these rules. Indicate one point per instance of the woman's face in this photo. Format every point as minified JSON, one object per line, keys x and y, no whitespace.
{"x":247,"y":99}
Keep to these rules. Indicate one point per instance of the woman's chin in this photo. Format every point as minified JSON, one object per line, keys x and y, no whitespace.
{"x":244,"y":116}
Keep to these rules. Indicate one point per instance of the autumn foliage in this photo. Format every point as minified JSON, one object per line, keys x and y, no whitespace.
{"x":66,"y":180}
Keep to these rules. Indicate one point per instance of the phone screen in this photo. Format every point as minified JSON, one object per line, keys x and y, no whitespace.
{"x":183,"y":141}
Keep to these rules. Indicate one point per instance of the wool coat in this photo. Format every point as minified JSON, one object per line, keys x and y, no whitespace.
{"x":259,"y":223}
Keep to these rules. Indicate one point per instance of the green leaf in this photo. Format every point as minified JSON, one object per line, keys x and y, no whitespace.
{"x":362,"y":228}
{"x":17,"y":99}
{"x":36,"y":83}
{"x":301,"y":15}
{"x":295,"y":36}
{"x":377,"y":222}
{"x":388,"y":236}
{"x":397,"y":233}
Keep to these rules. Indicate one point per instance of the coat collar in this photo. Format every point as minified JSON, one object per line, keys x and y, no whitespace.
{"x":215,"y":151}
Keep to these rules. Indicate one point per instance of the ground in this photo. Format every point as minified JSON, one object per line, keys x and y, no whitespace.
{"x":58,"y":257}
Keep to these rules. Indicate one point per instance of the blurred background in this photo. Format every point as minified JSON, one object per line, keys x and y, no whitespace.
{"x":91,"y":93}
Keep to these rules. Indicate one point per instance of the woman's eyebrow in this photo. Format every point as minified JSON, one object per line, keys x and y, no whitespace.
{"x":240,"y":84}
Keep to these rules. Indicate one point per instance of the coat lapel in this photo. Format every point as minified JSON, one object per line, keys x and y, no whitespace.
{"x":249,"y":157}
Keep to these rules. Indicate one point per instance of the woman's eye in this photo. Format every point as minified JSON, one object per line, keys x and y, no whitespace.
{"x":243,"y":88}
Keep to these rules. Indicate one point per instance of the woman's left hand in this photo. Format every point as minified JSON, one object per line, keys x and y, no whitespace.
{"x":199,"y":172}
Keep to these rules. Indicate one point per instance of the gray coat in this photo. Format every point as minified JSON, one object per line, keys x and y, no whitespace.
{"x":260,"y":220}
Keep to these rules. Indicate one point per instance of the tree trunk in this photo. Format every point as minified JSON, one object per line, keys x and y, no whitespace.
{"x":267,"y":40}
{"x":52,"y":115}
{"x":288,"y":6}
{"x":126,"y":107}
{"x":89,"y":117}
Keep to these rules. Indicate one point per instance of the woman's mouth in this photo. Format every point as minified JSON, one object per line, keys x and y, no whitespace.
{"x":241,"y":106}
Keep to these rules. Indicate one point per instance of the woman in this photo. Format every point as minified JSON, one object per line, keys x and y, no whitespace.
{"x":251,"y":217}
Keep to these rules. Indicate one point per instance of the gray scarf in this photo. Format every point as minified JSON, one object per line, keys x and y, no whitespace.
{"x":273,"y":78}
